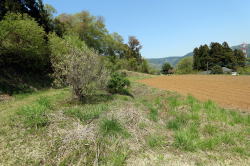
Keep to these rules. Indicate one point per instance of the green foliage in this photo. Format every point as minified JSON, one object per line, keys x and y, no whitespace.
{"x":44,"y":101}
{"x":93,"y":32}
{"x":33,"y":8}
{"x":88,"y":112}
{"x":144,"y":66}
{"x":118,"y":159}
{"x":178,"y":122}
{"x":118,"y":83}
{"x":167,"y":68}
{"x":210,"y":129}
{"x":198,"y":128}
{"x":35,"y":116}
{"x":153,"y":114}
{"x":22,"y":44}
{"x":112,"y":127}
{"x":244,"y":70}
{"x":77,"y":65}
{"x":24,"y":47}
{"x":218,"y":54}
{"x":216,"y":70}
{"x":186,"y":139}
{"x":173,"y":102}
{"x":24,"y":61}
{"x":135,"y":47}
{"x":154,"y":141}
{"x":185,"y":66}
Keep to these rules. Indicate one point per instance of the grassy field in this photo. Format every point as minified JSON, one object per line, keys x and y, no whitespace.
{"x":153,"y":127}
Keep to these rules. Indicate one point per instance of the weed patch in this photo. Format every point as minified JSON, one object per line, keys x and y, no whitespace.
{"x":112,"y":127}
{"x":178,"y":122}
{"x":155,"y":141}
{"x":186,"y":139}
{"x":118,"y":158}
{"x":88,"y":112}
{"x":210,"y":130}
{"x":35,"y":115}
{"x":153,"y":114}
{"x":173,"y":102}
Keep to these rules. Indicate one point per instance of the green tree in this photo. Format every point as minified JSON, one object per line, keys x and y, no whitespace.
{"x":118,"y":84}
{"x":218,"y":54}
{"x":144,"y":67}
{"x":135,"y":48}
{"x":167,"y":68}
{"x":240,"y":59}
{"x":185,"y":66}
{"x":22,"y":44}
{"x":34,"y":8}
{"x":90,"y":29}
{"x":216,"y":70}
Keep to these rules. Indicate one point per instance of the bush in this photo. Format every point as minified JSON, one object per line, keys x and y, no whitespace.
{"x":76,"y":65}
{"x":118,"y":84}
{"x":167,"y":68}
{"x":144,"y":67}
{"x":35,"y":116}
{"x":216,"y":70}
{"x":185,"y":66}
{"x":132,"y":64}
{"x":244,"y":70}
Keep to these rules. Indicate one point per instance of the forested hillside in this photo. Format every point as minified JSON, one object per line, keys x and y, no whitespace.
{"x":158,"y":62}
{"x":27,"y":29}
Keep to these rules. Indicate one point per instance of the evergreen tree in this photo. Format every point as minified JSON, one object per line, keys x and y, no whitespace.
{"x":217,"y":54}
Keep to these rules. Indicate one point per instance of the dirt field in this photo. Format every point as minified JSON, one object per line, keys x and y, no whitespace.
{"x":227,"y":91}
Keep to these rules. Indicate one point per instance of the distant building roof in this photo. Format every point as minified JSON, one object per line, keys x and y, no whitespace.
{"x":205,"y":72}
{"x":225,"y":70}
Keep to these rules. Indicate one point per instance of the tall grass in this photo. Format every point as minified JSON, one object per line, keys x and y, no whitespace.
{"x":155,"y":140}
{"x":205,"y":126}
{"x":112,"y":127}
{"x":36,"y":115}
{"x":87,"y":112}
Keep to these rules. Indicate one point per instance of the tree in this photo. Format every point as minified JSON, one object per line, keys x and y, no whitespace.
{"x":33,"y":8}
{"x":144,"y":67}
{"x":78,"y":65}
{"x":216,"y":70}
{"x":217,"y":54}
{"x":167,"y":68}
{"x":90,"y":29}
{"x":22,"y":44}
{"x":135,"y":47}
{"x":240,"y":59}
{"x":185,"y":66}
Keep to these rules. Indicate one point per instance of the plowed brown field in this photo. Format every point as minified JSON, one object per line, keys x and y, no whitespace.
{"x":227,"y":91}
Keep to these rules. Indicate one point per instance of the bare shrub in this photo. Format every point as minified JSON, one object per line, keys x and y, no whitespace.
{"x":78,"y":66}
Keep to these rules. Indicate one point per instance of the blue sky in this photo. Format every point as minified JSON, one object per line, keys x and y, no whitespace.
{"x":169,"y":27}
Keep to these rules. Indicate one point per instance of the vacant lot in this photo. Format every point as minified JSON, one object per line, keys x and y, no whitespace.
{"x":228,"y":91}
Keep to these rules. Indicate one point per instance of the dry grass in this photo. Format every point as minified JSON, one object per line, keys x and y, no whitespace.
{"x":74,"y":134}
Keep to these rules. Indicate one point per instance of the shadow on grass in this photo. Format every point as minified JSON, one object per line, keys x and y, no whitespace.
{"x":93,"y":99}
{"x":126,"y":93}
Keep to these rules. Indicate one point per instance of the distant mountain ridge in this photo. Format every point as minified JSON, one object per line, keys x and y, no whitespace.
{"x":158,"y":62}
